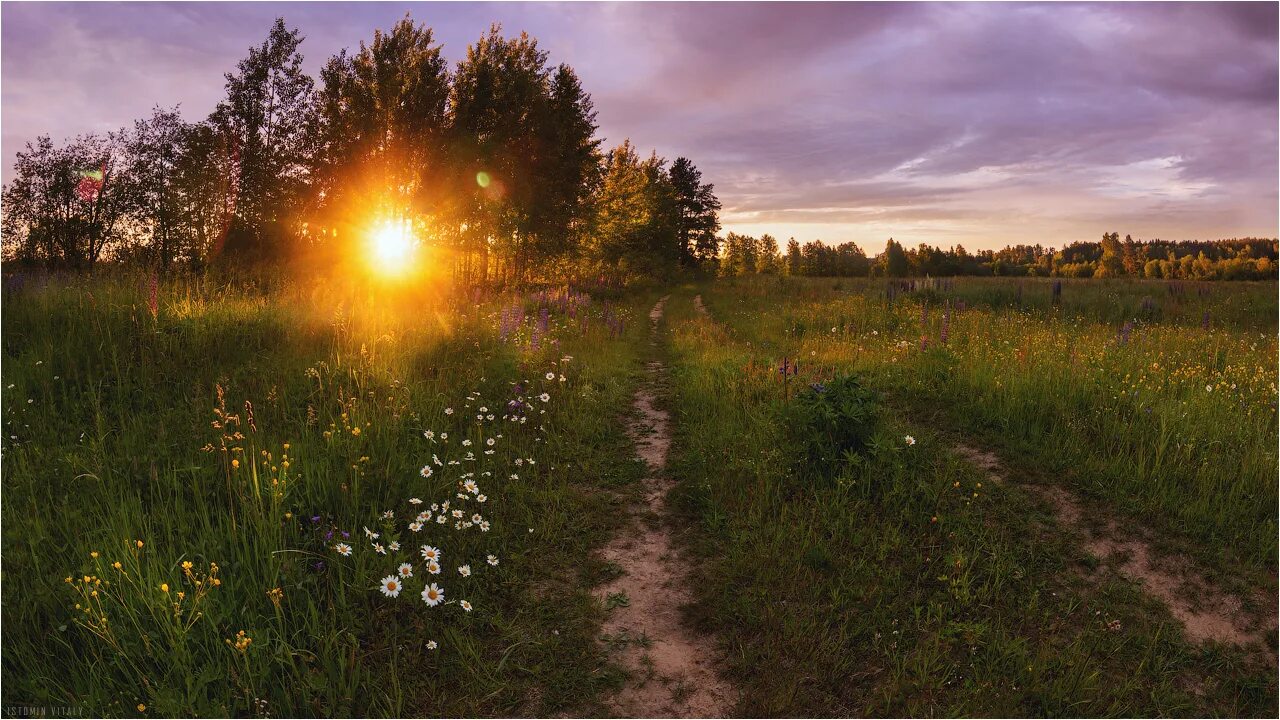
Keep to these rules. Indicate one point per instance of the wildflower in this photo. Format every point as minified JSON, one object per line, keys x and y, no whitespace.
{"x":235,"y":464}
{"x":415,"y":526}
{"x":241,"y":642}
{"x":431,"y":554}
{"x":390,"y":586}
{"x":909,"y":440}
{"x":448,"y":411}
{"x":388,"y":515}
{"x":481,"y":498}
{"x":426,"y":471}
{"x":465,"y":605}
{"x":142,"y":708}
{"x":343,"y":549}
{"x":370,"y":534}
{"x":430,"y":435}
{"x":431,"y":645}
{"x":544,"y":397}
{"x":432,"y":595}
{"x":464,"y":570}
{"x":415,"y":501}
{"x":355,"y":431}
{"x":424,"y":516}
{"x":94,"y":554}
{"x":457,"y":513}
{"x":164,"y":587}
{"x":186,"y":566}
{"x":405,"y":570}
{"x":116,"y":565}
{"x":378,"y":548}
{"x":394,"y":545}
{"x":492,"y":559}
{"x":275,"y":595}
{"x":466,"y":443}
{"x":489,"y":442}
{"x":470,"y":486}
{"x":484,"y":526}
{"x":1208,"y":388}
{"x":433,"y":568}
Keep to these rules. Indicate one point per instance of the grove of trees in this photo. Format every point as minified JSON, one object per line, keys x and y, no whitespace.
{"x":1235,"y":259}
{"x":494,"y":163}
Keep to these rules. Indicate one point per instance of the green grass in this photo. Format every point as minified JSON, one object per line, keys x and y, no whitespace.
{"x":108,"y":440}
{"x":836,"y":592}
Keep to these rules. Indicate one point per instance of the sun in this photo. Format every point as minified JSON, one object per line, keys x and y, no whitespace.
{"x":391,"y":247}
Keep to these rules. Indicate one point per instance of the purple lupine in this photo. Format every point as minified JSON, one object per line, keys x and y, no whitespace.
{"x":1057,"y":292}
{"x":924,"y":343}
{"x":1204,"y":321}
{"x":1124,"y":332}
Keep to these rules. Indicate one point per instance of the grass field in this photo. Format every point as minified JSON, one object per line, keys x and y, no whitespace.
{"x":846,"y":557}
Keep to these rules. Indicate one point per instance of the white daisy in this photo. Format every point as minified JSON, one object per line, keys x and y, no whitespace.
{"x":431,"y":554}
{"x":415,"y":501}
{"x":484,"y":526}
{"x":433,"y":568}
{"x":431,"y":645}
{"x":390,"y":586}
{"x":476,"y":518}
{"x":489,"y":442}
{"x":432,"y":595}
{"x":388,"y":515}
{"x":481,"y":498}
{"x":424,"y":516}
{"x":426,"y":471}
{"x":441,"y":519}
{"x":551,"y":376}
{"x":457,"y":513}
{"x":394,"y":546}
{"x":465,"y":605}
{"x":430,"y":435}
{"x":470,"y":486}
{"x":377,"y":547}
{"x":466,"y":443}
{"x":464,"y":570}
{"x":448,"y":411}
{"x":909,"y":440}
{"x":405,"y":570}
{"x":492,"y":559}
{"x":544,"y":397}
{"x":415,"y":526}
{"x":342,"y":549}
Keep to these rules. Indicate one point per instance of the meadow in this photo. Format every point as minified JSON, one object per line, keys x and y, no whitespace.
{"x":236,"y":498}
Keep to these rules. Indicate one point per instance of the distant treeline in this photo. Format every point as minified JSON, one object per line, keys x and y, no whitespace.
{"x":1235,"y":259}
{"x":493,"y":163}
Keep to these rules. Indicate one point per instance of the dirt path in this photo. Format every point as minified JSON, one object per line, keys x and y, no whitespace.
{"x":697,"y":305}
{"x":1205,"y":611}
{"x":672,"y":667}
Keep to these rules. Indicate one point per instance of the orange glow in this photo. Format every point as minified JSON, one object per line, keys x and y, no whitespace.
{"x":392,"y":248}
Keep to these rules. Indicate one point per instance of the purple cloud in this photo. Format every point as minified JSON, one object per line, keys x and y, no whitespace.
{"x":975,"y":123}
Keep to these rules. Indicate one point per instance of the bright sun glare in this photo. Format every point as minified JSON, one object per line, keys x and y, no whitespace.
{"x":392,"y":247}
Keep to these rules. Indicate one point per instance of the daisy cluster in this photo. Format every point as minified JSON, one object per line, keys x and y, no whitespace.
{"x":417,"y":543}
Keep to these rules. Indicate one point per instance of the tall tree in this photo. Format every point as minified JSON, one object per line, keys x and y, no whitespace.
{"x":698,"y":208}
{"x":266,"y":109}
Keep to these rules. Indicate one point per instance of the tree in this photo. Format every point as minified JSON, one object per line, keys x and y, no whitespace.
{"x":64,"y":206}
{"x":636,"y":214}
{"x":150,"y":187}
{"x":795,"y":261}
{"x":1111,"y":263}
{"x":267,"y":110}
{"x":698,"y":208}
{"x":895,"y":260}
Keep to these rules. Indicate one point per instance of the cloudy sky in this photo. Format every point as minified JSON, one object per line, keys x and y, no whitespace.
{"x":978,"y":124}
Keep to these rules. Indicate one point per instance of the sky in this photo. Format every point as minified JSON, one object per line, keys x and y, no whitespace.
{"x":942,"y":123}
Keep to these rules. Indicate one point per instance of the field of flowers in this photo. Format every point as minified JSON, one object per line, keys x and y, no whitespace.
{"x":273,"y":499}
{"x":901,"y":580}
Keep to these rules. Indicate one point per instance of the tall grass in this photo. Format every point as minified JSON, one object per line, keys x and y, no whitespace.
{"x":248,"y":425}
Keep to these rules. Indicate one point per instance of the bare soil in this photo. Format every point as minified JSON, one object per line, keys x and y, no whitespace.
{"x":1206,"y":612}
{"x":672,"y":667}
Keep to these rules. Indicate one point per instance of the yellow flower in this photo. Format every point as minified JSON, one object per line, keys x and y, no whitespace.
{"x":94,"y":554}
{"x":142,"y":708}
{"x":235,"y":463}
{"x":286,"y":446}
{"x":355,"y":431}
{"x":186,"y":565}
{"x":116,"y":565}
{"x":216,"y":582}
{"x":139,"y":543}
{"x":164,"y":587}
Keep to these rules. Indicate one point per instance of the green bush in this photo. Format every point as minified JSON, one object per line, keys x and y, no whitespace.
{"x":834,"y":423}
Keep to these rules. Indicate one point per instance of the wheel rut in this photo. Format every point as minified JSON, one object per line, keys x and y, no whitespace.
{"x":672,"y":667}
